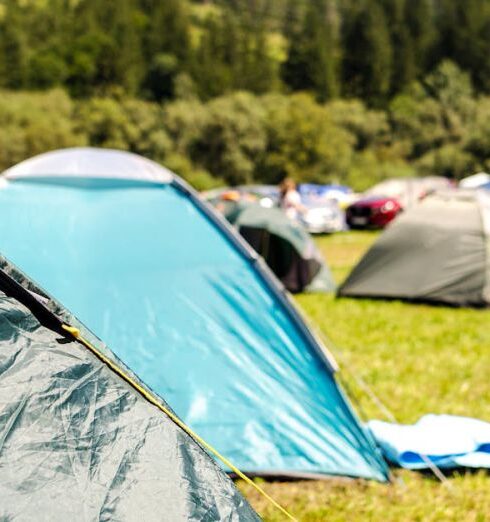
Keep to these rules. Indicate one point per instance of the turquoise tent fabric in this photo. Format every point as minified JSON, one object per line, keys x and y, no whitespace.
{"x":78,"y":441}
{"x":156,"y":275}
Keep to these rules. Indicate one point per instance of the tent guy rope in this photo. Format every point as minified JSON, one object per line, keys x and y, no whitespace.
{"x":388,"y":414}
{"x":75,"y":332}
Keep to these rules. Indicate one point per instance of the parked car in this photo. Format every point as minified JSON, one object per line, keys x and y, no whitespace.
{"x":342,"y":194}
{"x":372,"y":212}
{"x":322,"y":217}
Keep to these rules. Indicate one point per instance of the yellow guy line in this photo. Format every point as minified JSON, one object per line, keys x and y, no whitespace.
{"x":75,"y":332}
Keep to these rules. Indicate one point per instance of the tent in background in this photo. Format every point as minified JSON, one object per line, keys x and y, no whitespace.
{"x":286,"y":247}
{"x":435,"y":252}
{"x":79,"y":440}
{"x":475,"y":180}
{"x":409,"y":190}
{"x":181,"y":298}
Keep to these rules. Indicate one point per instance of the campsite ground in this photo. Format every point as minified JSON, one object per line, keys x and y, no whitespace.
{"x":418,"y":359}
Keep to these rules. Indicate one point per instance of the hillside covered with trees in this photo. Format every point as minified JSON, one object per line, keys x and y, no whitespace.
{"x":238,"y":91}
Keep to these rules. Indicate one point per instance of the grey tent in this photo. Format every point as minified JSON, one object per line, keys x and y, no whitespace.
{"x":439,"y":251}
{"x":409,"y":190}
{"x":284,"y":244}
{"x":79,"y":440}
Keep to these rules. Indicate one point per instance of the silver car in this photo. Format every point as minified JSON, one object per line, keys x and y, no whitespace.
{"x":323,"y":217}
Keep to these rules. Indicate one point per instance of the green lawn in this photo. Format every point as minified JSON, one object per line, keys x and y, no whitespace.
{"x":418,"y":359}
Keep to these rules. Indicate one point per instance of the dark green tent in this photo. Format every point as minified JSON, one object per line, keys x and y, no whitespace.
{"x":78,"y":440}
{"x":438,"y":252}
{"x":284,"y":244}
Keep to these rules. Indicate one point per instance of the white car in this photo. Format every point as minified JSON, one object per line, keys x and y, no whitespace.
{"x":323,"y":217}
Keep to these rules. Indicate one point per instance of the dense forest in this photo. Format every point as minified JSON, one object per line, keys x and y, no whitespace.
{"x":251,"y":90}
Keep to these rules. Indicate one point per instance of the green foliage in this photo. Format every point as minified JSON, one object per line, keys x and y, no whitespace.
{"x":13,"y":49}
{"x":370,"y":127}
{"x":231,"y":138}
{"x":303,"y":142}
{"x":368,"y":55}
{"x":314,"y":53}
{"x":199,"y":178}
{"x":184,"y":122}
{"x":418,"y":122}
{"x":46,"y":70}
{"x":449,"y":160}
{"x":233,"y":54}
{"x":371,"y":166}
{"x":437,"y":126}
{"x":478,"y":141}
{"x":126,"y":124}
{"x":369,"y":49}
{"x":161,"y":77}
{"x":35,"y":123}
{"x":465,"y":37}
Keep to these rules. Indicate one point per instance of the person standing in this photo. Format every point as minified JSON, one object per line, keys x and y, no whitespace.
{"x":290,"y":199}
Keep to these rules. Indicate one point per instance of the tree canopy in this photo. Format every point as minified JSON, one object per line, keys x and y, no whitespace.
{"x":241,"y":91}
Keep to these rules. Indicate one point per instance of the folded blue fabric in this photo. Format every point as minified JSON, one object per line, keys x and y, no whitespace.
{"x":447,"y":440}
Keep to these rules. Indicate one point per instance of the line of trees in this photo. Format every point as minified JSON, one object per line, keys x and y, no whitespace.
{"x":239,"y":91}
{"x":154,"y":49}
{"x":438,"y":126}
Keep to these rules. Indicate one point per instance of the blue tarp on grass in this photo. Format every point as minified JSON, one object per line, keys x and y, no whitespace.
{"x":447,"y":440}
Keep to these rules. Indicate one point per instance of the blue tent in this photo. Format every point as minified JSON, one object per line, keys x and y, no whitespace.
{"x":181,"y":299}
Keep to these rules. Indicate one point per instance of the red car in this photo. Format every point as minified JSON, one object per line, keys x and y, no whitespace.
{"x":372,"y":212}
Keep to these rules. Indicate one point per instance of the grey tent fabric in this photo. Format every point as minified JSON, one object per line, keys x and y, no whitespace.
{"x":409,"y":190}
{"x":284,"y":244}
{"x":78,"y":442}
{"x":436,"y":252}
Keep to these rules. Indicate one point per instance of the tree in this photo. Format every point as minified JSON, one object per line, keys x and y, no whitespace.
{"x":404,"y":70}
{"x":160,"y":80}
{"x":232,"y":138}
{"x":218,"y":50}
{"x":313,"y":56}
{"x":31,"y":123}
{"x":303,"y":142}
{"x":165,"y":29}
{"x":369,"y":127}
{"x":13,"y":48}
{"x":465,"y":28}
{"x":368,"y":53}
{"x":421,"y":19}
{"x":107,"y":35}
{"x":124,"y":123}
{"x":46,"y":69}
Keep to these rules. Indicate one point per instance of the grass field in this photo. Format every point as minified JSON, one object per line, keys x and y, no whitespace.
{"x":418,"y":359}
